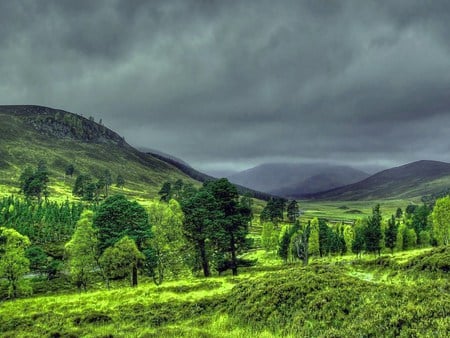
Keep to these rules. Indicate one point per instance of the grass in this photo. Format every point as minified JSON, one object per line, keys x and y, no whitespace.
{"x":143,"y":174}
{"x":337,"y":296}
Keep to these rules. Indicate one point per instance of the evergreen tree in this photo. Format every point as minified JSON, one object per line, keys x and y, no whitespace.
{"x":120,"y":181}
{"x":33,"y":183}
{"x":118,"y":217}
{"x":166,"y":192}
{"x":373,"y":233}
{"x":201,"y":214}
{"x":285,"y":240}
{"x":292,"y":211}
{"x":358,"y":243}
{"x":399,"y":213}
{"x":391,"y":233}
{"x":231,"y":234}
{"x":70,"y":169}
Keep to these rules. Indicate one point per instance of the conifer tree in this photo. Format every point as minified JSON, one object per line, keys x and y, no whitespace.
{"x":373,"y":233}
{"x":391,"y":233}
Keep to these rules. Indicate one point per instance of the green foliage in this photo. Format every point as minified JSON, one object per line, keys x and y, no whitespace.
{"x":168,"y":243}
{"x":269,"y":237}
{"x":373,"y":234}
{"x":121,"y":260}
{"x":391,"y":233}
{"x":82,"y":251}
{"x":120,"y":181}
{"x":274,"y":209}
{"x":314,"y":244}
{"x":33,"y":183}
{"x":13,"y":261}
{"x":117,"y":217}
{"x":293,"y":211}
{"x":165,"y":192}
{"x":358,"y":243}
{"x":69,"y":170}
{"x":441,"y":220}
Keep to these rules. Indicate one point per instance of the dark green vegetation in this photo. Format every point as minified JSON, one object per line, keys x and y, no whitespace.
{"x":412,"y":180}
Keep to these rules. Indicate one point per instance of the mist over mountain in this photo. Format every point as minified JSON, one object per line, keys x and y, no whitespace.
{"x":288,"y":179}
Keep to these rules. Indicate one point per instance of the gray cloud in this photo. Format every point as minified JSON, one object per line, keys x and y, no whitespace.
{"x":237,"y":83}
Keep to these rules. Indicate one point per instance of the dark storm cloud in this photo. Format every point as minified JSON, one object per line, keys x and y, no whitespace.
{"x":241,"y":82}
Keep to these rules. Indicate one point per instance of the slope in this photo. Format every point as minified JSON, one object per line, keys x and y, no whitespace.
{"x":288,"y":179}
{"x":407,"y":181}
{"x":30,"y":134}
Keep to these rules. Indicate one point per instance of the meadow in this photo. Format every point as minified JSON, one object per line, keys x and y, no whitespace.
{"x":405,"y":294}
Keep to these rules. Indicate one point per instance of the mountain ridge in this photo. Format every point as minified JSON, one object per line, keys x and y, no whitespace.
{"x":413,"y":179}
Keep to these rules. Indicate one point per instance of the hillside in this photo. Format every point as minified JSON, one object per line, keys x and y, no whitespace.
{"x":291,"y":180}
{"x":407,"y":181}
{"x":32,"y":133}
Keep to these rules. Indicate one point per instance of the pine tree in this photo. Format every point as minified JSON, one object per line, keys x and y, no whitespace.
{"x":391,"y":233}
{"x":373,"y":233}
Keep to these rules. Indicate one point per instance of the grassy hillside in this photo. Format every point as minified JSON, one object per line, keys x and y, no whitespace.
{"x":29,"y":134}
{"x":405,"y":182}
{"x":402,"y":295}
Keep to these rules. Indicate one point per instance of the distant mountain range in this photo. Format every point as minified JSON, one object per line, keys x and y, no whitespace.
{"x":293,"y":180}
{"x":407,"y":181}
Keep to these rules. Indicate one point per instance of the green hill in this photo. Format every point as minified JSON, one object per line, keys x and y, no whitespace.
{"x":30,"y":134}
{"x":409,"y":181}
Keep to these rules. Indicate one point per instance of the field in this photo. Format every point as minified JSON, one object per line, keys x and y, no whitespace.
{"x":405,"y":294}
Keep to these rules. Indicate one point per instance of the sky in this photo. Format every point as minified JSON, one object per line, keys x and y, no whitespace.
{"x":226,"y":85}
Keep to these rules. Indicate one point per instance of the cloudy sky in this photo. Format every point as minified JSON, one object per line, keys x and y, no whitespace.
{"x":231,"y":84}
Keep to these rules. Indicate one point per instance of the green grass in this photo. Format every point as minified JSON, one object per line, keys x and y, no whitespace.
{"x":143,"y":174}
{"x":337,"y":296}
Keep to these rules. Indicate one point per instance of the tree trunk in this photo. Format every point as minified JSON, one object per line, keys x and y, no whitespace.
{"x":134,"y":276}
{"x":233,"y":256}
{"x":204,"y":259}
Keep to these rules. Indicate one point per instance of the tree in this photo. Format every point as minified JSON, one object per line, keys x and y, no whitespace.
{"x":105,"y":181}
{"x":82,"y":250}
{"x":399,"y":213}
{"x":118,"y":217}
{"x":13,"y":261}
{"x":165,"y":192}
{"x":70,"y":169}
{"x":292,"y":211}
{"x":373,"y":233}
{"x":269,"y":236}
{"x":121,"y":260}
{"x":358,"y":243}
{"x":231,"y":233}
{"x":201,"y":213}
{"x":168,"y":243}
{"x":324,"y":238}
{"x":120,"y":181}
{"x":285,"y":240}
{"x":33,"y":183}
{"x":84,"y":187}
{"x":300,"y":243}
{"x":314,"y":245}
{"x":391,"y":233}
{"x":441,"y":220}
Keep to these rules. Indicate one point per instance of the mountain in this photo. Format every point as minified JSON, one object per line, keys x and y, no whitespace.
{"x":407,"y":181}
{"x":290,"y":180}
{"x":30,"y":134}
